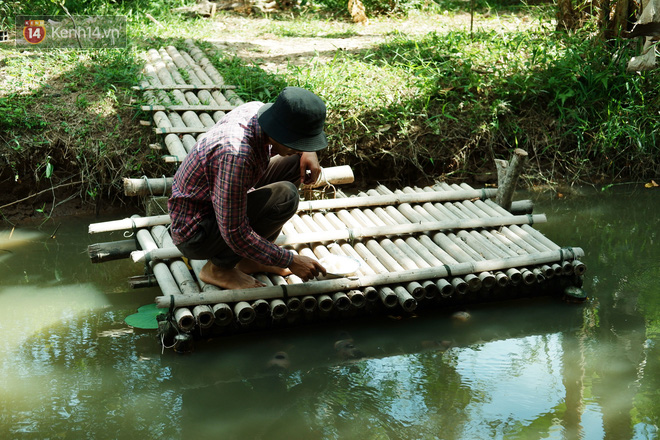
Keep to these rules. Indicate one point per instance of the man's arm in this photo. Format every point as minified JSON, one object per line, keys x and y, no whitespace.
{"x":309,"y":161}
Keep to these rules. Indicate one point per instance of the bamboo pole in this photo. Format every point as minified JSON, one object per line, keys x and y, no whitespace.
{"x":167,"y":283}
{"x":382,"y":200}
{"x":129,"y":223}
{"x":406,"y":300}
{"x":162,"y":71}
{"x":325,"y":303}
{"x":357,"y":233}
{"x":181,"y":63}
{"x":341,"y":301}
{"x":305,"y":224}
{"x":357,"y":298}
{"x":309,"y":303}
{"x":338,"y":175}
{"x":161,"y":270}
{"x":201,"y":74}
{"x":163,"y":186}
{"x":261,"y":307}
{"x":142,"y":187}
{"x":180,"y":107}
{"x":147,"y":87}
{"x":204,"y":62}
{"x":388,"y":297}
{"x":326,"y":286}
{"x":112,"y":250}
{"x":316,"y":205}
{"x":150,"y":72}
{"x":184,"y":279}
{"x":171,"y":68}
{"x":278,"y":309}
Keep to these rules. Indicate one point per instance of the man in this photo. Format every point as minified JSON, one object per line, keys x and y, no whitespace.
{"x":239,"y":185}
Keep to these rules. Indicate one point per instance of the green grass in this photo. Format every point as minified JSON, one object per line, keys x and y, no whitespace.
{"x":453,"y":102}
{"x":441,"y":104}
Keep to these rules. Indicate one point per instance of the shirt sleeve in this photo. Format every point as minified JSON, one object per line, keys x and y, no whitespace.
{"x":229,"y":198}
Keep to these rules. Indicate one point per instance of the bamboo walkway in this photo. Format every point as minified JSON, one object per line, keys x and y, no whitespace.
{"x":436,"y":246}
{"x":186,"y":94}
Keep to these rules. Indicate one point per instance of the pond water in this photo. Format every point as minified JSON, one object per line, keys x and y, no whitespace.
{"x":527,"y":369}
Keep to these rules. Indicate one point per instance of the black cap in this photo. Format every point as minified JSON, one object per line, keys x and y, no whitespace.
{"x":295,"y":120}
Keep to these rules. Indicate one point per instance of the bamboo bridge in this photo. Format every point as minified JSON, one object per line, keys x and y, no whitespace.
{"x":437,"y":246}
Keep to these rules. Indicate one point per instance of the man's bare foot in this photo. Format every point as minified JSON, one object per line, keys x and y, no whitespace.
{"x":227,"y":278}
{"x":250,"y":266}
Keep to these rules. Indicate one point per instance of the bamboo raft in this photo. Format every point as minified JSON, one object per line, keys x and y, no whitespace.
{"x":437,"y":246}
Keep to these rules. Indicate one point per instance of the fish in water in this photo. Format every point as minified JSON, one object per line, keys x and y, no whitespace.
{"x":279,"y":361}
{"x":461,"y":316}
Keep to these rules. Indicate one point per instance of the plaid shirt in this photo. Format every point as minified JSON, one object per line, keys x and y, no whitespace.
{"x":214,"y":179}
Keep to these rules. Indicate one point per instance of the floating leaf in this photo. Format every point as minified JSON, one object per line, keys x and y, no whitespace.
{"x":651,"y":184}
{"x":145,"y":318}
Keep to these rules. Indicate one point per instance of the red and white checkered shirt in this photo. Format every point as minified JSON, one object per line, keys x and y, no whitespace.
{"x":214,"y":179}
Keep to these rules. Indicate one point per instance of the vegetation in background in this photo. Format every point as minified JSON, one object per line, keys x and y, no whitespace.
{"x":442,"y":104}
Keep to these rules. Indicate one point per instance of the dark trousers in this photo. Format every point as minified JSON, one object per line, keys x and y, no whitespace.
{"x":269,"y":206}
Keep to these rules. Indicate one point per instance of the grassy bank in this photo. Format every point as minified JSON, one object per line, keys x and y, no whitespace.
{"x":426,"y":98}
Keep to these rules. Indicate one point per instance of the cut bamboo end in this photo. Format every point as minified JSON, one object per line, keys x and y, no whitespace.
{"x":244,"y":313}
{"x":278,"y":309}
{"x":204,"y":316}
{"x":294,"y":305}
{"x":325,"y":303}
{"x":388,"y":297}
{"x":357,"y":298}
{"x":184,"y":319}
{"x":309,"y":303}
{"x":223,"y":314}
{"x":445,"y":287}
{"x":430,"y":289}
{"x":261,"y":307}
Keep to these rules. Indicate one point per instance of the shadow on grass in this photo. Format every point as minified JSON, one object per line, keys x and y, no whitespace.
{"x":71,"y":128}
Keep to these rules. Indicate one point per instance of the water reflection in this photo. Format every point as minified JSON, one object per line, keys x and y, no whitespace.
{"x":524,"y":369}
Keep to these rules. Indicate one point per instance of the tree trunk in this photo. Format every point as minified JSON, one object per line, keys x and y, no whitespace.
{"x":566,"y":19}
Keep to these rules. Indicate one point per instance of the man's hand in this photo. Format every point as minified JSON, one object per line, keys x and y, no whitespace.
{"x":305,"y":267}
{"x":309,"y":162}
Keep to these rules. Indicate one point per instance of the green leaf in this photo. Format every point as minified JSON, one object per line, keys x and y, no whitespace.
{"x":49,"y":170}
{"x":145,"y":318}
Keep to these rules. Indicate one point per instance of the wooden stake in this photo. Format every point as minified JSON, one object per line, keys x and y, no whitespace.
{"x":507,"y":183}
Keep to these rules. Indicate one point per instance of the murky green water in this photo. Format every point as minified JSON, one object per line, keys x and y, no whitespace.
{"x":531,"y":369}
